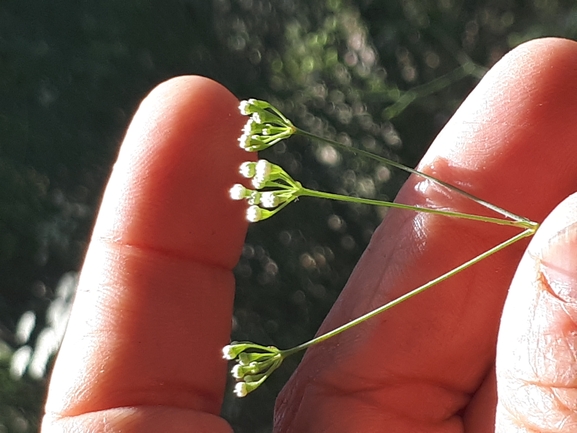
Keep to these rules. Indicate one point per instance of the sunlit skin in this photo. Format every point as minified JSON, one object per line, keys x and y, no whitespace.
{"x":153,"y":310}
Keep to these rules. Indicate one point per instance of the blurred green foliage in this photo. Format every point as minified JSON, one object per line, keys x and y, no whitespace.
{"x":20,"y":399}
{"x":384,"y":75}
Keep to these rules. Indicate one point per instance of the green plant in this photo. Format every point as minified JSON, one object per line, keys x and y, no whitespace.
{"x":274,"y":189}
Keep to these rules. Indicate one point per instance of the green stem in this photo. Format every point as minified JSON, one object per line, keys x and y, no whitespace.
{"x":390,"y":162}
{"x":462,"y":215}
{"x":433,"y":86}
{"x":443,"y":81}
{"x":400,"y":299}
{"x":402,"y":99}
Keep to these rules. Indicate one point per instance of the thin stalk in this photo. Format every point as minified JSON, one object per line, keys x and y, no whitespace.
{"x":402,"y":99}
{"x":410,"y":170}
{"x":406,"y":98}
{"x":462,"y":215}
{"x":400,"y":299}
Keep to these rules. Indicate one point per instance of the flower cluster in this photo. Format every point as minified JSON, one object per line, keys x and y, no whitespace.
{"x":255,"y":363}
{"x":266,"y":126}
{"x":274,"y":189}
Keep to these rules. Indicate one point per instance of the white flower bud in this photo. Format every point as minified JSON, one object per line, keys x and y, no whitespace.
{"x":263,"y":168}
{"x":248,"y":169}
{"x":254,"y":214}
{"x":236,"y":372}
{"x":244,"y":141}
{"x":239,"y":192}
{"x":258,"y":182}
{"x":257,"y":118}
{"x":228,"y":352}
{"x":269,"y":199}
{"x":249,"y":127}
{"x":240,"y":389}
{"x":244,"y":107}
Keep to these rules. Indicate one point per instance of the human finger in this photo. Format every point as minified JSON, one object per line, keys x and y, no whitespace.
{"x":153,"y":308}
{"x":536,"y":367}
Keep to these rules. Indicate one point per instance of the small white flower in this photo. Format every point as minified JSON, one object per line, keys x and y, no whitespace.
{"x":246,"y":107}
{"x":263,"y":168}
{"x":248,"y":169}
{"x":228,"y":352}
{"x":239,"y":192}
{"x":257,"y":118}
{"x":242,"y":107}
{"x":258,"y":182}
{"x":236,"y":372}
{"x":240,"y":389}
{"x":244,"y":141}
{"x":269,"y":199}
{"x":254,"y":214}
{"x":249,"y":126}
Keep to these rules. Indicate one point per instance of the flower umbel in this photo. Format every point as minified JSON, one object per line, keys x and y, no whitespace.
{"x":266,"y":126}
{"x":274,"y":189}
{"x":255,"y":363}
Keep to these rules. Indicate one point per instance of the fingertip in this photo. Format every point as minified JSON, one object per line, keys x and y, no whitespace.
{"x":536,"y":346}
{"x":172,"y":176}
{"x":555,"y":247}
{"x":527,"y":87}
{"x":515,"y":116}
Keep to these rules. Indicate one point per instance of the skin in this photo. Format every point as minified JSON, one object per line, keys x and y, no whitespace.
{"x":158,"y":273}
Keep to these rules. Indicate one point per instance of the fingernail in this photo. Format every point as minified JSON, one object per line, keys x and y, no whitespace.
{"x":559,"y":264}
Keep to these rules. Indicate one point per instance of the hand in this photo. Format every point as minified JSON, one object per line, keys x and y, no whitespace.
{"x":428,"y":365}
{"x":142,"y":351}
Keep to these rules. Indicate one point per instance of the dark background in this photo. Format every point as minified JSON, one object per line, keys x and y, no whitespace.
{"x":382,"y":74}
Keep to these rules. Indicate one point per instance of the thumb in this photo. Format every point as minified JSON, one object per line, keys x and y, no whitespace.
{"x":537,"y":346}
